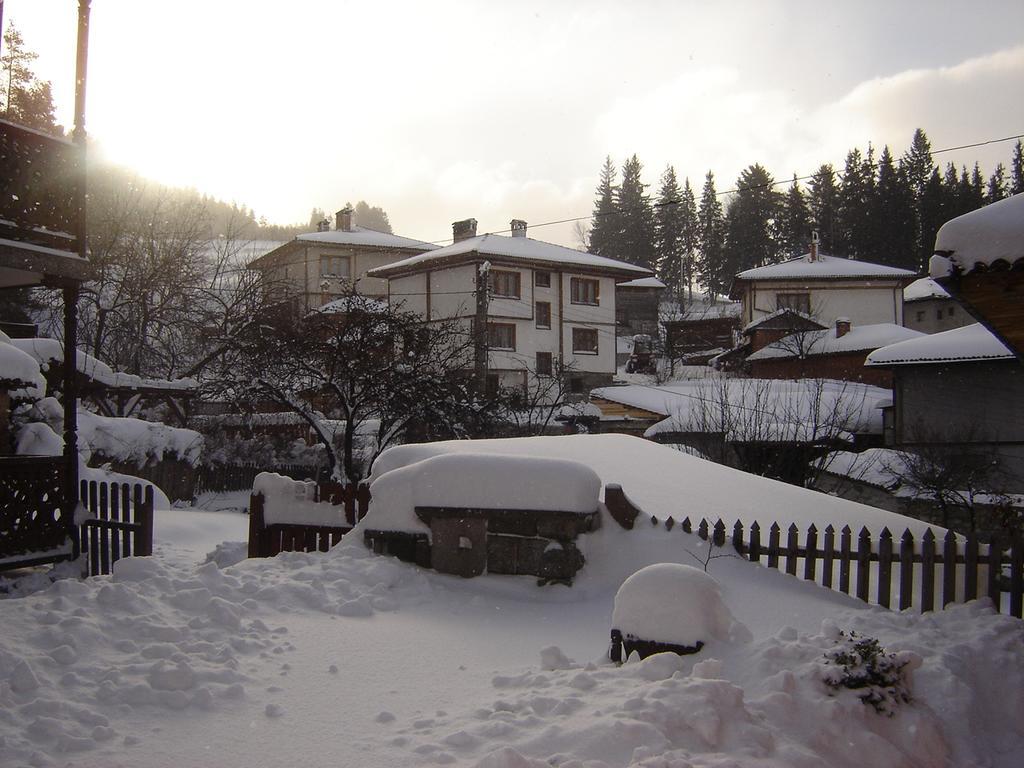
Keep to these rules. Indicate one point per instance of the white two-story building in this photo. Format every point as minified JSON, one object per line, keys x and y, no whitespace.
{"x":549,"y":310}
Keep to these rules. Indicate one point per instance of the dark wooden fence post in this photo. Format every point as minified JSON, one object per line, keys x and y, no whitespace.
{"x":906,"y":570}
{"x":995,"y":569}
{"x":755,"y":542}
{"x":971,"y":568}
{"x":737,"y":538}
{"x":845,"y":536}
{"x":256,"y":525}
{"x":144,"y":515}
{"x":811,"y":553}
{"x":718,"y":537}
{"x":702,"y":529}
{"x":863,"y":564}
{"x":1017,"y":577}
{"x":828,"y":555}
{"x":687,"y":526}
{"x":949,"y":558}
{"x":773,"y":545}
{"x":928,"y":571}
{"x":792,"y":549}
{"x":884,"y":567}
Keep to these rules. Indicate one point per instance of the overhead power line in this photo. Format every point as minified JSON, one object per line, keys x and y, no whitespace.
{"x":733,"y":191}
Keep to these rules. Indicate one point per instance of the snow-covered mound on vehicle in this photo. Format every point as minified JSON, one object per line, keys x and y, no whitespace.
{"x":475,"y":480}
{"x":673,"y":603}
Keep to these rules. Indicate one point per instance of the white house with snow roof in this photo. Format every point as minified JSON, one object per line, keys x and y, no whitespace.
{"x":547,"y":308}
{"x":823,"y":287}
{"x":928,"y":307}
{"x":318,"y":268}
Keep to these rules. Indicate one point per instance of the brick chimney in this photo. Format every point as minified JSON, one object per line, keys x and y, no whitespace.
{"x":518,"y":228}
{"x":813,"y":254}
{"x":463,"y":230}
{"x":843,"y":326}
{"x":343,"y":220}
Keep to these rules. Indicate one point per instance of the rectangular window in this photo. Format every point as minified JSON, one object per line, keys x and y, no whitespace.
{"x":501,"y":335}
{"x":543,"y":363}
{"x":505,"y":285}
{"x":920,"y":316}
{"x":334,"y":266}
{"x":584,"y":291}
{"x":800,"y":302}
{"x":584,"y":340}
{"x":542,"y":279}
{"x":543,"y":314}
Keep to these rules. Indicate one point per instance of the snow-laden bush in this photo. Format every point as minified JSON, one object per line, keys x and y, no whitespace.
{"x":861,"y":664}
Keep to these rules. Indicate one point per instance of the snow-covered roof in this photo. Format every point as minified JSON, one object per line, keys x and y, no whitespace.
{"x":922,"y":289}
{"x":49,"y":351}
{"x":981,"y":238}
{"x":699,"y":309}
{"x":524,"y":249}
{"x":770,"y":409}
{"x":643,"y":282}
{"x":780,"y":312}
{"x":363,"y":236}
{"x":967,"y":344}
{"x":824,"y":342}
{"x":824,"y":267}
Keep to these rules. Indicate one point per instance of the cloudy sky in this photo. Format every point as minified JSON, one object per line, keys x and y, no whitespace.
{"x":442,"y":110}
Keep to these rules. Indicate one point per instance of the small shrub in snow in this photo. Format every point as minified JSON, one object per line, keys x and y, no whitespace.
{"x":861,"y":664}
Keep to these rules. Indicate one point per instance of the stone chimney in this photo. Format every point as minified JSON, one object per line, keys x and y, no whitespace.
{"x":843,"y":326}
{"x":323,"y":225}
{"x":343,"y":220}
{"x":518,"y":227}
{"x":813,"y":254}
{"x":463,"y":230}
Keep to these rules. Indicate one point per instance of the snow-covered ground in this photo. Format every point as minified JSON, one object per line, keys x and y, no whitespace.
{"x":347,"y":658}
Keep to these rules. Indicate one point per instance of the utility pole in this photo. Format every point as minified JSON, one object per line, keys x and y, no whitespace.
{"x":480,"y":345}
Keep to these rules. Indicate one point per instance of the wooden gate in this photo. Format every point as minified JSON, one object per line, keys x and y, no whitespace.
{"x":120,"y":523}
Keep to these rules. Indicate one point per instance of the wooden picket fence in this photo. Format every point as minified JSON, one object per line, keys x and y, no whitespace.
{"x":270,"y":540}
{"x":120,"y":523}
{"x":911,"y":571}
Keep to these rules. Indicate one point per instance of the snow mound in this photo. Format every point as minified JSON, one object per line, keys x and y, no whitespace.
{"x":673,"y":603}
{"x":294,"y":501}
{"x":475,"y":480}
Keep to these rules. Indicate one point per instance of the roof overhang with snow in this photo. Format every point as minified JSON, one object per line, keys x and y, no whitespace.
{"x":970,"y":344}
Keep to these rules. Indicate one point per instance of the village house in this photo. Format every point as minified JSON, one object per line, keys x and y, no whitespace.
{"x":699,"y":329}
{"x":957,"y":391}
{"x":548,"y":310}
{"x":825,"y":288}
{"x":979,"y":260}
{"x":321,"y":267}
{"x":927,"y":307}
{"x":829,"y":353}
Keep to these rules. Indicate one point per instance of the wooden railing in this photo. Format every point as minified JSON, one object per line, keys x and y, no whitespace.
{"x":121,"y":523}
{"x":33,"y":528}
{"x":43,"y":195}
{"x":911,"y":570}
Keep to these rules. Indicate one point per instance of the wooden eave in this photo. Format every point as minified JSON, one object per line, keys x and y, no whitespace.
{"x":26,"y":264}
{"x":614,"y":409}
{"x":738,"y":283}
{"x":995,"y":298}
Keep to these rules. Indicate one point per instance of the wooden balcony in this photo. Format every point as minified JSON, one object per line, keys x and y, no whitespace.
{"x":42,"y":209}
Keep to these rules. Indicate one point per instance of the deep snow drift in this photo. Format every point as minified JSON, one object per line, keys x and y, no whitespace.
{"x":346,"y":658}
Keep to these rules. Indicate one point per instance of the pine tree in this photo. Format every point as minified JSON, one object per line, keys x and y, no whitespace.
{"x":668,"y":222}
{"x":604,"y":233}
{"x":824,"y":202}
{"x":997,"y":188}
{"x":691,"y":237}
{"x":795,"y":228}
{"x":855,"y":208}
{"x":711,"y":269}
{"x":1017,"y":170}
{"x":893,"y":225}
{"x":918,"y":164}
{"x":25,"y":99}
{"x":935,"y":206}
{"x":751,"y":222}
{"x":636,"y":217}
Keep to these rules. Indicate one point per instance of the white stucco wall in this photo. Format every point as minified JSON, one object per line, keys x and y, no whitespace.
{"x":863,"y":303}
